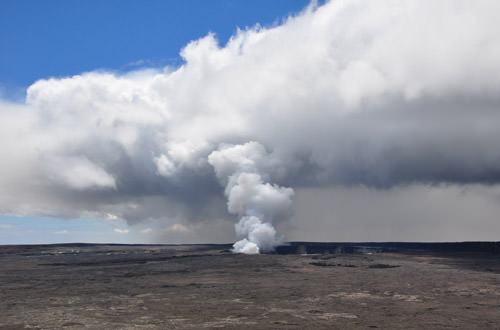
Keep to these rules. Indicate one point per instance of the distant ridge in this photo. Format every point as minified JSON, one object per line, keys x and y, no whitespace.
{"x":358,"y":247}
{"x":298,"y":247}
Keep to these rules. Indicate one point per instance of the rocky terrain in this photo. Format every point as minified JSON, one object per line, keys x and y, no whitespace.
{"x":303,"y":286}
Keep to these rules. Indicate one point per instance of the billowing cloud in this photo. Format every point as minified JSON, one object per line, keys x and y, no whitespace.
{"x":380,"y":94}
{"x":255,"y":202}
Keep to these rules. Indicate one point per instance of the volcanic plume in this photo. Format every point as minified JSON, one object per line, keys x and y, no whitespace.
{"x":241,"y":169}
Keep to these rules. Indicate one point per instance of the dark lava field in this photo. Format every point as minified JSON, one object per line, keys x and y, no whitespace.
{"x":301,"y":286}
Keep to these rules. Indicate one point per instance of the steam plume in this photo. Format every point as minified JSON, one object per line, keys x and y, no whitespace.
{"x":255,"y":202}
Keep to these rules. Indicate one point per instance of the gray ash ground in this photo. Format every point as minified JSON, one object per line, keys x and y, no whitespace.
{"x":207,"y":287}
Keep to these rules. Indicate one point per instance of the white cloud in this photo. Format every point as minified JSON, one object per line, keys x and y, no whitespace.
{"x":121,"y":231}
{"x":61,"y":232}
{"x":177,"y":228}
{"x":380,"y":93}
{"x":111,"y":217}
{"x":79,"y":173}
{"x":146,"y":231}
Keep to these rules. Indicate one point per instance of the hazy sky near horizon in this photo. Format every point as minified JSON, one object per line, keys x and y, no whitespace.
{"x":166,"y":122}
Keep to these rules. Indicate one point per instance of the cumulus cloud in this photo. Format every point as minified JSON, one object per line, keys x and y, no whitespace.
{"x":381,"y":94}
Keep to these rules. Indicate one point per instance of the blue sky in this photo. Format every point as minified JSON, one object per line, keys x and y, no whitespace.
{"x":57,"y":38}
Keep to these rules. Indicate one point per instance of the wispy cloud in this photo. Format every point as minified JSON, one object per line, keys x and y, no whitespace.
{"x":177,"y":228}
{"x":121,"y":231}
{"x":146,"y":231}
{"x":61,"y":232}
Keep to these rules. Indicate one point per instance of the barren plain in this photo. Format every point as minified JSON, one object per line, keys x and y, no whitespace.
{"x":303,"y":286}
